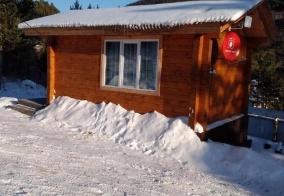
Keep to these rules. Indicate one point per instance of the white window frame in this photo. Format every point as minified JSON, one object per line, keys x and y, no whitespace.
{"x":120,"y":86}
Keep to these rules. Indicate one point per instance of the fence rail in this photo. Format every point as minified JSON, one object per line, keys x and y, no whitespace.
{"x":266,"y":127}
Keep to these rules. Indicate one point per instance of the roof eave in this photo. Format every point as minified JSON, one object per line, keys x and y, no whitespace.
{"x":268,"y":21}
{"x":201,"y":28}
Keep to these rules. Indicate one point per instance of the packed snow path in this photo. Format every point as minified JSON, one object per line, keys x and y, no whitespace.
{"x":41,"y":159}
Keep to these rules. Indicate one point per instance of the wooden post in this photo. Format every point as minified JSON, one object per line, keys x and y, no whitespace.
{"x":201,"y":72}
{"x":50,"y":70}
{"x":197,"y":58}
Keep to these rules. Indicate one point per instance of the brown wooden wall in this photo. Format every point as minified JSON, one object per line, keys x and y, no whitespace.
{"x":77,"y":69}
{"x":229,"y":86}
{"x":185,"y":79}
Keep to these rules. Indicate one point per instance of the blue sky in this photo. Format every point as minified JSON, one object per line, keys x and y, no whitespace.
{"x":64,"y":5}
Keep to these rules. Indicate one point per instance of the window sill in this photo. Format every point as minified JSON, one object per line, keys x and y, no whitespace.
{"x":129,"y":90}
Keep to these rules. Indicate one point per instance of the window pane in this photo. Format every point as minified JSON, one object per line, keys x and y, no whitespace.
{"x":112,"y":63}
{"x":148,"y":67}
{"x":130,"y":64}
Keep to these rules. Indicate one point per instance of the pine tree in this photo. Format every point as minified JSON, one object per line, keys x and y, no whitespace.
{"x":8,"y":33}
{"x":90,"y":7}
{"x":76,"y":6}
{"x":267,"y":86}
{"x":43,"y":8}
{"x":18,"y":52}
{"x":25,"y":9}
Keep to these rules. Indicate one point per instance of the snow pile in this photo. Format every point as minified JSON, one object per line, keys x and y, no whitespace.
{"x":149,"y":16}
{"x":65,"y":149}
{"x":5,"y":101}
{"x":44,"y":159}
{"x":157,"y":135}
{"x":22,"y":89}
{"x":150,"y":132}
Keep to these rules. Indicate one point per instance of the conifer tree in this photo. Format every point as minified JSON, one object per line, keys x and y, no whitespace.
{"x":76,"y":6}
{"x":17,"y":50}
{"x":90,"y":7}
{"x":267,"y":86}
{"x":8,"y":32}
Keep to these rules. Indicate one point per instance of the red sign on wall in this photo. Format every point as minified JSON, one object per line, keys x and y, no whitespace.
{"x":231,"y":46}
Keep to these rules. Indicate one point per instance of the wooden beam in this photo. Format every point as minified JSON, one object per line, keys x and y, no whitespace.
{"x":267,"y":20}
{"x":62,"y":31}
{"x":225,"y":27}
{"x":204,"y":28}
{"x":50,"y":70}
{"x":199,"y":29}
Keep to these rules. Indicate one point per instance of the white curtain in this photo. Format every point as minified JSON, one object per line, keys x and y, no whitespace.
{"x":130,"y":64}
{"x":148,"y":67}
{"x":133,"y":74}
{"x":112,"y":63}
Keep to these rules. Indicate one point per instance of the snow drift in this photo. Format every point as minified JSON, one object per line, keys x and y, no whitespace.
{"x":27,"y":142}
{"x":149,"y":132}
{"x":157,"y":135}
{"x":22,"y":89}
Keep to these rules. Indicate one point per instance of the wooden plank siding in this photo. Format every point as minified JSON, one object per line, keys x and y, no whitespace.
{"x":229,"y":86}
{"x":185,"y":79}
{"x":176,"y":82}
{"x":77,"y":66}
{"x":77,"y":74}
{"x":187,"y":54}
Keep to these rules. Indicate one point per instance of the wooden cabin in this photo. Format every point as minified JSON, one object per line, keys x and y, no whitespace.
{"x":166,"y":57}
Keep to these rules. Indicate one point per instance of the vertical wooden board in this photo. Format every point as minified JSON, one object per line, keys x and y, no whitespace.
{"x":197,"y":50}
{"x":50,"y":70}
{"x":203,"y":60}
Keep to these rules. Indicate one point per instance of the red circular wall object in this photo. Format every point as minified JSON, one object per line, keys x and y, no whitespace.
{"x":231,"y":46}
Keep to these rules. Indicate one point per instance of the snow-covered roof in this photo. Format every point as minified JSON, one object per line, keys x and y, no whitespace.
{"x":149,"y":16}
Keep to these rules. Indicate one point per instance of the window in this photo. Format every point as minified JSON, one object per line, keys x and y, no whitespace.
{"x":131,"y":64}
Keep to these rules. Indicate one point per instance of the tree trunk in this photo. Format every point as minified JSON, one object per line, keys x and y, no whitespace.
{"x":1,"y":66}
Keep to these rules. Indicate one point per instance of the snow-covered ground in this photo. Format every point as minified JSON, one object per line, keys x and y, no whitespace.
{"x":75,"y":147}
{"x":21,"y":89}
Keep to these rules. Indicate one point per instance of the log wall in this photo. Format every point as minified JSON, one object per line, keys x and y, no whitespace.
{"x":77,"y":74}
{"x":229,"y":86}
{"x":185,"y":81}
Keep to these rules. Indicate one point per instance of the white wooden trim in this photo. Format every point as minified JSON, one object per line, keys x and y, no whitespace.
{"x":120,"y":86}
